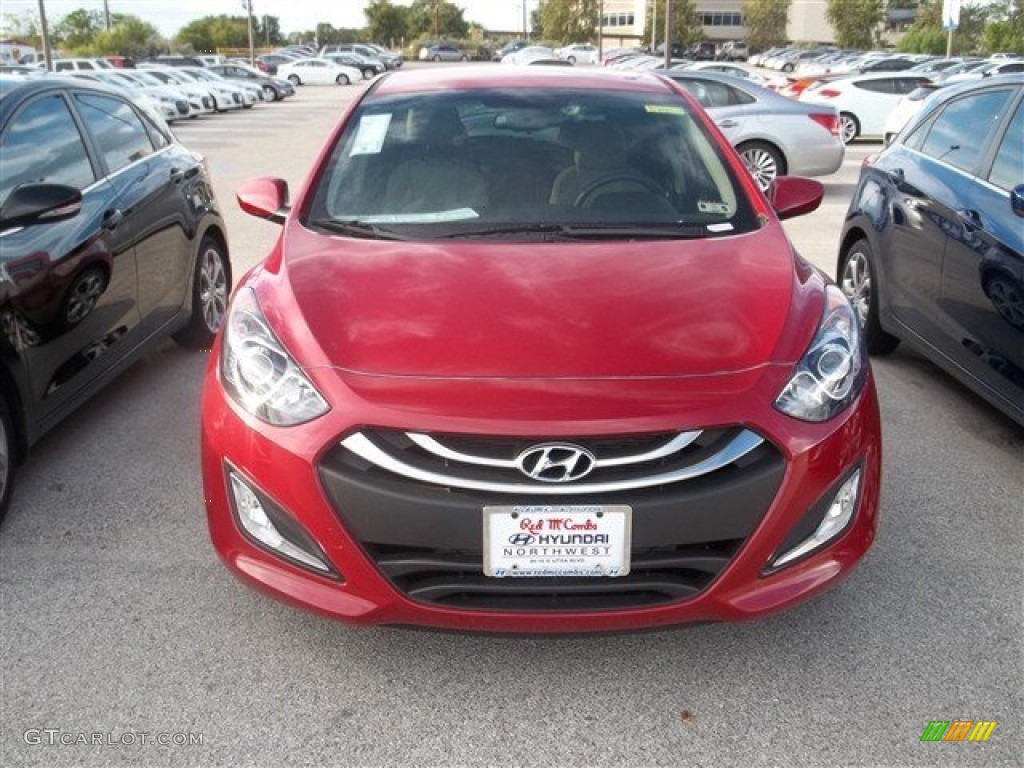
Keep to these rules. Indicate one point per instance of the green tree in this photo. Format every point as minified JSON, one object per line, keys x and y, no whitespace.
{"x":686,"y":23}
{"x":766,"y":22}
{"x":129,"y":36}
{"x":855,"y":22}
{"x":387,"y":23}
{"x":267,"y":30}
{"x":568,"y":21}
{"x":425,"y":15}
{"x":1004,"y":32}
{"x":78,"y":28}
{"x":927,"y":35}
{"x":212,"y":32}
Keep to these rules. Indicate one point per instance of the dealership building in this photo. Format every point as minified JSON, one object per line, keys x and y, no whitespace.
{"x":622,"y":22}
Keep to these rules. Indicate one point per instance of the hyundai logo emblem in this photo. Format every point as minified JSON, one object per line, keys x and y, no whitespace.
{"x":555,"y":462}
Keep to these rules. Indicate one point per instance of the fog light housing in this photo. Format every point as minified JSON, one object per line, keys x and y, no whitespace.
{"x":837,"y":516}
{"x":271,"y":528}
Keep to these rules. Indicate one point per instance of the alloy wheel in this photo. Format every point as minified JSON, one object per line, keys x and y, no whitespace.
{"x":213,"y":288}
{"x":855,"y":283}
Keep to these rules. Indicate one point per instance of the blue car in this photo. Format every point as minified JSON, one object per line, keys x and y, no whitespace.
{"x":932,"y":250}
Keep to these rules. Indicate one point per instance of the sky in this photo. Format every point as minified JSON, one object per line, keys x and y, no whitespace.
{"x":169,"y":16}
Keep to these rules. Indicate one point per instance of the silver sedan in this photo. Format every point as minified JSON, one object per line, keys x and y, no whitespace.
{"x":774,"y":135}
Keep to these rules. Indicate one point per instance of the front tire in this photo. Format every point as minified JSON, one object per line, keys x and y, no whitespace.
{"x":572,"y":60}
{"x":210,"y":287}
{"x":369,"y":73}
{"x":270,"y":93}
{"x":858,"y":280}
{"x":436,"y":57}
{"x":294,"y":80}
{"x":342,"y":80}
{"x":464,"y":58}
{"x":7,"y":457}
{"x":764,"y":162}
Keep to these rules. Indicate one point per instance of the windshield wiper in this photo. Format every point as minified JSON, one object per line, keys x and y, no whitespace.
{"x":356,"y":228}
{"x":614,"y":231}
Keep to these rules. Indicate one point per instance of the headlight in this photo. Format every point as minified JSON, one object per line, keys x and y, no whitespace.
{"x":259,"y":374}
{"x":834,"y":368}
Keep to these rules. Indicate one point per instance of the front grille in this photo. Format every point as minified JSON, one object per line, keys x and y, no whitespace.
{"x":415,"y":501}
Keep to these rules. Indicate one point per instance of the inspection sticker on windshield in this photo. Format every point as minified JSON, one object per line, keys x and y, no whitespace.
{"x":705,"y":206}
{"x":551,"y":541}
{"x":664,"y":109}
{"x":373,"y":129}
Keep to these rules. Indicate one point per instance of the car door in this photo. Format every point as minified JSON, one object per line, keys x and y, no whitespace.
{"x":71,"y":311}
{"x":151,"y":178}
{"x":982,"y":302}
{"x":873,"y":100}
{"x":729,"y":107}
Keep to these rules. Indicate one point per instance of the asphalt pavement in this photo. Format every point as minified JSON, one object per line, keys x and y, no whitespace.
{"x":121,"y":629}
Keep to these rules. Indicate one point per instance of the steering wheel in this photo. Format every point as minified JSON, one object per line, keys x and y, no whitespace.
{"x":589,"y":192}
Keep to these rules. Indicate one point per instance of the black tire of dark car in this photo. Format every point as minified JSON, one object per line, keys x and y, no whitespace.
{"x":8,"y":454}
{"x":211,"y":284}
{"x":858,"y":279}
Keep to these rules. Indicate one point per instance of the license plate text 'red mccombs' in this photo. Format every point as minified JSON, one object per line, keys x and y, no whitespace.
{"x":538,"y":541}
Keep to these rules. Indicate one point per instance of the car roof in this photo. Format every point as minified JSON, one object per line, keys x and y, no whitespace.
{"x":15,"y":90}
{"x":485,"y":76}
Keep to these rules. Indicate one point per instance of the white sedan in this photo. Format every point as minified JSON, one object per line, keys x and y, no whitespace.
{"x":578,"y":53}
{"x":864,"y":102}
{"x":317,"y":71}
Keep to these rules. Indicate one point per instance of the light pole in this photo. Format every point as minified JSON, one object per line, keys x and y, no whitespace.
{"x":247,"y":5}
{"x":106,"y":13}
{"x":654,"y":26}
{"x":668,"y":34}
{"x":45,"y":34}
{"x":600,"y":31}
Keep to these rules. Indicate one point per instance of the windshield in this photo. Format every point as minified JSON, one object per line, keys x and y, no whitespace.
{"x":527,"y":163}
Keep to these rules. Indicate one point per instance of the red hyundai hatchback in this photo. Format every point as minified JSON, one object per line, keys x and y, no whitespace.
{"x":534,"y":354}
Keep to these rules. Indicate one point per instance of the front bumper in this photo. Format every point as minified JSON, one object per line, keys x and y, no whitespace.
{"x":740,"y":526}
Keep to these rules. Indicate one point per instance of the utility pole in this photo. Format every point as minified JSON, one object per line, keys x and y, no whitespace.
{"x":668,"y":34}
{"x":45,"y":34}
{"x":654,"y":25}
{"x":106,"y":13}
{"x":247,"y":5}
{"x":437,"y":15}
{"x":600,"y":30}
{"x":526,"y":33}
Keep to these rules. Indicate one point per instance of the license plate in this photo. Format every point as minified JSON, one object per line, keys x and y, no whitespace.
{"x":572,"y":540}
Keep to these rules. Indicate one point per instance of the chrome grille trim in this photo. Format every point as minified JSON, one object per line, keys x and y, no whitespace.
{"x":431,"y":445}
{"x":745,"y":442}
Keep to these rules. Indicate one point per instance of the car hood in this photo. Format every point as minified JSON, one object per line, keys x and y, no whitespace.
{"x":574,"y":310}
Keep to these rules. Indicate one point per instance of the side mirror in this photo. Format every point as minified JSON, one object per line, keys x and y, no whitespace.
{"x":1017,"y":200}
{"x":264,"y":197}
{"x":31,"y":204}
{"x":794,"y":196}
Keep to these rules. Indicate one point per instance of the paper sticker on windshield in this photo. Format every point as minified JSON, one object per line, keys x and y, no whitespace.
{"x":664,"y":109}
{"x":724,"y":227}
{"x":707,"y":206}
{"x":373,"y":129}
